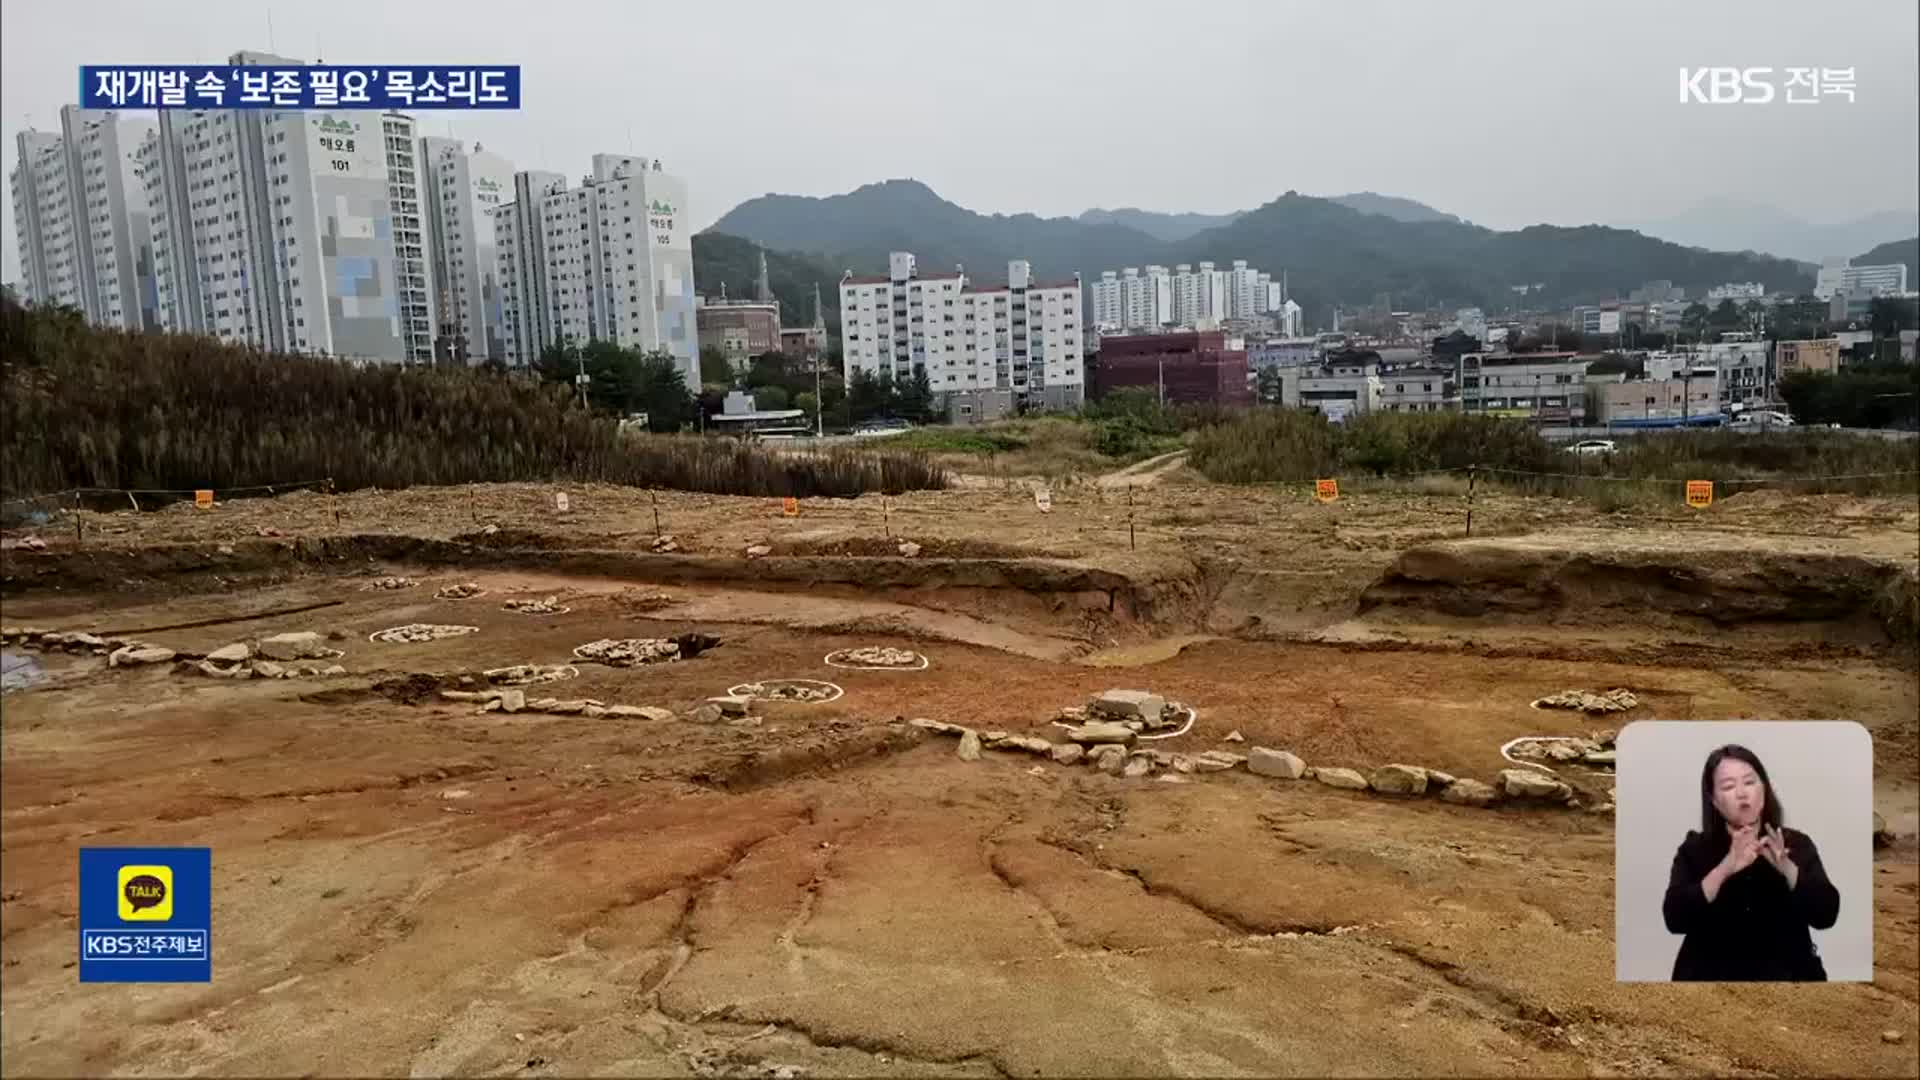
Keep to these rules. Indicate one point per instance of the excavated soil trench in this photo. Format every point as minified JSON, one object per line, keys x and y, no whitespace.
{"x":406,"y":884}
{"x":1723,"y":583}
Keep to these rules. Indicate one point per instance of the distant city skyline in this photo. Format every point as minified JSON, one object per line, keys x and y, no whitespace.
{"x":1330,"y":99}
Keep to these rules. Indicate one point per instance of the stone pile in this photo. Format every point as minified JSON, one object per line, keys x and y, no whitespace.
{"x":514,"y":700}
{"x":1109,"y":747}
{"x":282,"y":656}
{"x":1595,"y":750}
{"x":665,"y":545}
{"x":278,"y":657}
{"x":626,"y":652}
{"x":909,"y":549}
{"x":1139,"y":710}
{"x":1618,"y":700}
{"x":414,"y":633}
{"x":547,"y":606}
{"x":803,"y":690}
{"x":466,"y":590}
{"x":881,"y":656}
{"x":527,"y":674}
{"x":382,"y":583}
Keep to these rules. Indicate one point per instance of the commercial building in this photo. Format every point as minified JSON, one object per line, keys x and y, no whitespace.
{"x":1023,"y":336}
{"x":611,"y":260}
{"x":1822,"y":355}
{"x":1282,"y":352}
{"x":1746,"y":370}
{"x":1838,"y":274}
{"x":738,"y":328}
{"x":1419,"y":389}
{"x":980,"y":406}
{"x":80,"y":218}
{"x":1548,"y":387}
{"x":1186,"y":367}
{"x":1660,"y":291}
{"x":1345,"y":382}
{"x":1737,"y":291}
{"x":464,"y":188}
{"x":1690,"y":398}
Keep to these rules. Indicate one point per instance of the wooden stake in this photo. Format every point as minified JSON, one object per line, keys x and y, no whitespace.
{"x":1472,"y":471}
{"x":656,"y":514}
{"x":77,"y":538}
{"x":1131,"y":544}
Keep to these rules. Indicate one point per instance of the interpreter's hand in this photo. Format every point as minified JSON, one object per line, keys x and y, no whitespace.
{"x":1773,"y":848}
{"x":1746,"y":848}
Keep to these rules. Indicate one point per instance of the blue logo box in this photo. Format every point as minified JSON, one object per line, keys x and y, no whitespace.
{"x":146,"y":914}
{"x":292,"y":87}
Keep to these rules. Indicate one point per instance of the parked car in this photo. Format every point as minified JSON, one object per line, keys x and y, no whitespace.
{"x":1762,"y":418}
{"x":1592,"y":446}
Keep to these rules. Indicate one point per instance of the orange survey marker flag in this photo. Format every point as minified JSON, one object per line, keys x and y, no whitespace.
{"x":1326,"y":490}
{"x":790,"y":507}
{"x":1699,"y":493}
{"x":203,"y":498}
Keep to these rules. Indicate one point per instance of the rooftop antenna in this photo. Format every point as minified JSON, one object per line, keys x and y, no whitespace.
{"x":270,"y":45}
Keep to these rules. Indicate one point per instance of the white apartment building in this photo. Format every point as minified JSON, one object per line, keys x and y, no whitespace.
{"x":1246,"y":291}
{"x":611,"y":260}
{"x":464,"y":188}
{"x":1132,"y":300}
{"x":1199,"y":296}
{"x":419,"y":315}
{"x":1106,"y":301}
{"x":80,"y":218}
{"x":280,"y":230}
{"x":1022,"y":336}
{"x":522,"y":265}
{"x":43,"y":221}
{"x":1837,"y":274}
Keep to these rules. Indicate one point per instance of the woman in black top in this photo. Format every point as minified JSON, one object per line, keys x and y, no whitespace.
{"x":1744,"y":888}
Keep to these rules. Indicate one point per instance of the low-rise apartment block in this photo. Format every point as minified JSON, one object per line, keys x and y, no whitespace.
{"x":1023,"y":336}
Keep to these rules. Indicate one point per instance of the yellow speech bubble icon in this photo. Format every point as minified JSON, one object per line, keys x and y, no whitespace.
{"x":146,"y":893}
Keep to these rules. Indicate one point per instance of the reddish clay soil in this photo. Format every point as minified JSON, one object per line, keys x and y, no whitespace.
{"x":403,"y":884}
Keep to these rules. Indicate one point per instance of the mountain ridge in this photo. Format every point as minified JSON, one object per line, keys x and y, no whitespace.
{"x":1334,"y":254}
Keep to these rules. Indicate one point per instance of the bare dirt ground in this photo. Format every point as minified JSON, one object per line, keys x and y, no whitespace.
{"x":403,"y":885}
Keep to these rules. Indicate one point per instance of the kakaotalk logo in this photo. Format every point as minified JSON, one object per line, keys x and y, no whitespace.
{"x":1761,"y":86}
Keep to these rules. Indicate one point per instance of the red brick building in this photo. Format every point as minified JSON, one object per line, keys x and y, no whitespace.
{"x":1195,"y":367}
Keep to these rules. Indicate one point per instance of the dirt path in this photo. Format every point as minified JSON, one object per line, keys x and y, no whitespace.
{"x":1145,"y":473}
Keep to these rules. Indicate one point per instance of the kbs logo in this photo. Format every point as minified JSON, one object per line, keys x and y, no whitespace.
{"x":1758,"y":86}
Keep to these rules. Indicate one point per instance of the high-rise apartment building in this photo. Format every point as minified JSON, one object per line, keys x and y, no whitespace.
{"x":413,"y":275}
{"x":463,"y":189}
{"x":1132,"y":300}
{"x":1023,"y":336}
{"x":290,"y":231}
{"x":611,"y":260}
{"x":43,"y":221}
{"x":80,"y":218}
{"x":1199,"y":296}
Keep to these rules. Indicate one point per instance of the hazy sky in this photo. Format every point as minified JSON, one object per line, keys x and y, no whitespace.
{"x":1507,"y":112}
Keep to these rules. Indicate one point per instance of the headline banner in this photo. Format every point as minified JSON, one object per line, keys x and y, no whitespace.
{"x":303,"y":86}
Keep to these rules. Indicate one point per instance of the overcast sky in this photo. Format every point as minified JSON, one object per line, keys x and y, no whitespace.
{"x":1506,"y":112}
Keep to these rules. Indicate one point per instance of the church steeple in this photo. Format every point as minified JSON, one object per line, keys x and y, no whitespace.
{"x":762,"y":290}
